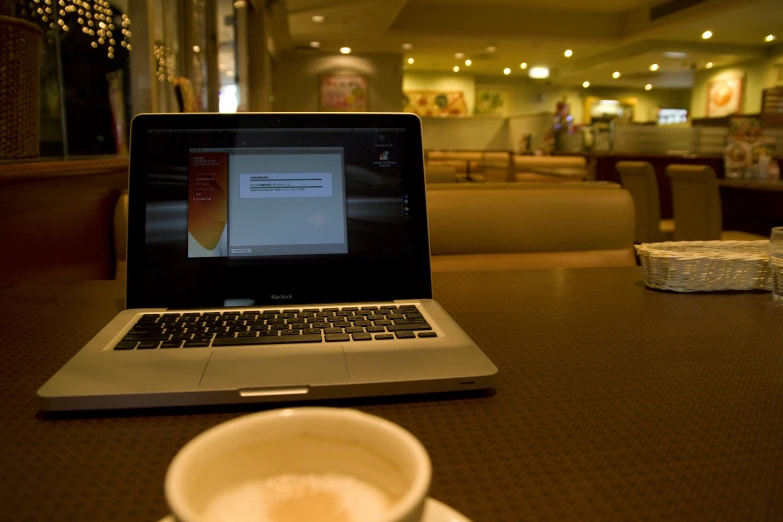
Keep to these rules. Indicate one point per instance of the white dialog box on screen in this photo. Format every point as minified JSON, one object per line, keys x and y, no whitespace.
{"x":287,"y":201}
{"x":286,"y":185}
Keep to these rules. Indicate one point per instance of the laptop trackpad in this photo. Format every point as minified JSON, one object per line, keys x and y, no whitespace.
{"x":291,"y":365}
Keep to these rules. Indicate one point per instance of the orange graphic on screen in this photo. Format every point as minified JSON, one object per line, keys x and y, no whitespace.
{"x":207,"y":197}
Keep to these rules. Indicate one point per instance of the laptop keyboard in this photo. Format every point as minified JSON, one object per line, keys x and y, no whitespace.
{"x":261,"y":327}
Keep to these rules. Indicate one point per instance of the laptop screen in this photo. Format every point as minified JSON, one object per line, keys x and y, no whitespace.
{"x":245,"y":210}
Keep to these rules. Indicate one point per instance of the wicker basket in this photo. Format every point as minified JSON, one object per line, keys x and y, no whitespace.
{"x":20,"y":58}
{"x":703,"y":266}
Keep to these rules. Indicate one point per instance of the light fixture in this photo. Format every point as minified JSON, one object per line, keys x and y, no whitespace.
{"x":616,"y":74}
{"x":708,"y":65}
{"x":507,"y":71}
{"x":315,"y":45}
{"x":459,"y":56}
{"x":523,"y":65}
{"x":196,"y":49}
{"x":769,"y":37}
{"x":491,"y":48}
{"x":411,"y":60}
{"x":239,"y":4}
{"x":230,"y":74}
{"x":706,"y":35}
{"x":345,"y":50}
{"x":539,"y":72}
{"x":568,"y":53}
{"x":468,"y":62}
{"x":318,"y":19}
{"x":648,"y":87}
{"x":455,"y":68}
{"x":675,"y":54}
{"x":407,"y":46}
{"x":654,"y":67}
{"x":585,"y":84}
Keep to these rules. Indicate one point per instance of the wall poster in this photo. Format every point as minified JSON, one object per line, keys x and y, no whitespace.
{"x":343,"y":93}
{"x":724,"y":95}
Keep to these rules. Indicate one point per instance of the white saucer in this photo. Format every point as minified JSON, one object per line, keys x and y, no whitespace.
{"x":434,"y":511}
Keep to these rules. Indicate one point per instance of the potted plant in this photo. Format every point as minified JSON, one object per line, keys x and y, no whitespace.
{"x":20,"y":58}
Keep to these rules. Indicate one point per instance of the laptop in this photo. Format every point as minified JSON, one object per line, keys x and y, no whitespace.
{"x":273,"y":258}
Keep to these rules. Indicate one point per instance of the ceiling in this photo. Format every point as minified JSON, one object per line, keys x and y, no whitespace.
{"x":604,"y":35}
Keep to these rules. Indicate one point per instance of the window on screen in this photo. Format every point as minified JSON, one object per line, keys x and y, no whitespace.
{"x":287,"y":202}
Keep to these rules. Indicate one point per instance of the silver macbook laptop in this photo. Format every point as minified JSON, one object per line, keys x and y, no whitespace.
{"x":273,"y":257}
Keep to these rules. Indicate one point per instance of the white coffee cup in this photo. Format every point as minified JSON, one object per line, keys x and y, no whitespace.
{"x":301,"y":441}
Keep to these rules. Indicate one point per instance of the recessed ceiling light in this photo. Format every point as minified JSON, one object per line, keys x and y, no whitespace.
{"x":507,"y":71}
{"x":345,"y":50}
{"x":648,"y":87}
{"x":196,"y":49}
{"x":455,"y":68}
{"x":411,"y":60}
{"x":468,"y":63}
{"x":315,"y":45}
{"x":568,"y":53}
{"x":491,"y":49}
{"x":706,"y":35}
{"x":709,"y":65}
{"x":318,"y":19}
{"x":539,"y":72}
{"x":239,"y":4}
{"x":459,"y":56}
{"x":407,"y":46}
{"x":616,"y":75}
{"x":673,"y":54}
{"x":585,"y":84}
{"x":523,"y":65}
{"x":769,"y":37}
{"x":654,"y":67}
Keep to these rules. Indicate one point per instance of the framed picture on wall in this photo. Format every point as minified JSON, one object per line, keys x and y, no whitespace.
{"x":724,"y":95}
{"x":495,"y":101}
{"x":343,"y":93}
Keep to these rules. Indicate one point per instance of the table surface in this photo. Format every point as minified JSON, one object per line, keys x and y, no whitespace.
{"x":614,"y":402}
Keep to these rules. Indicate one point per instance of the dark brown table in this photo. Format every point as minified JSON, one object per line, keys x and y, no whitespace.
{"x":614,"y":402}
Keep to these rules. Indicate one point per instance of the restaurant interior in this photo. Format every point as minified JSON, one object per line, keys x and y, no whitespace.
{"x":602,"y":177}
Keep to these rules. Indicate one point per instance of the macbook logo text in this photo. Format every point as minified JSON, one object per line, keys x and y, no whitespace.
{"x":282,"y":296}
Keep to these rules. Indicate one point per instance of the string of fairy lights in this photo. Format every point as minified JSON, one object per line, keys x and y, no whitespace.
{"x":95,"y":17}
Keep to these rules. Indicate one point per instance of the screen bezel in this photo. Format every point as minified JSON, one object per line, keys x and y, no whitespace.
{"x":417,"y":286}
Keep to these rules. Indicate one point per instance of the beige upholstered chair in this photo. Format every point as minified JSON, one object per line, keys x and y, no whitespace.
{"x":697,"y":205}
{"x":638,"y":178}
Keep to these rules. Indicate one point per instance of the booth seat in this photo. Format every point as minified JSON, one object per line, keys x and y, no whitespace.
{"x":493,"y":229}
{"x":548,"y":168}
{"x":524,"y":185}
{"x":473,"y":165}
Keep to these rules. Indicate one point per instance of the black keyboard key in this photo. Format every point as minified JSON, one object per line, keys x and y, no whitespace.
{"x":408,"y":307}
{"x":349,"y":308}
{"x":196,"y":343}
{"x":362,"y":337}
{"x":383,"y":337}
{"x":383,"y":322}
{"x":246,"y":334}
{"x":362,"y":323}
{"x":405,"y":334}
{"x":325,"y":314}
{"x":298,"y":326}
{"x":341,"y":324}
{"x":310,"y":310}
{"x":399,"y":327}
{"x":413,"y":315}
{"x":354,"y":329}
{"x":268,"y":333}
{"x":369,"y":307}
{"x":403,"y":321}
{"x":125,"y":345}
{"x":268,"y":339}
{"x":333,"y":330}
{"x":307,"y":331}
{"x":171,"y":344}
{"x":428,"y":334}
{"x":330,"y":310}
{"x":191,"y":314}
{"x":291,"y":311}
{"x":344,"y":313}
{"x":224,"y":334}
{"x":374,"y":329}
{"x":152,"y":317}
{"x":290,"y":332}
{"x":148,"y":345}
{"x":321,"y":325}
{"x":145,"y":337}
{"x":395,"y":316}
{"x":210,"y":314}
{"x":335,"y":337}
